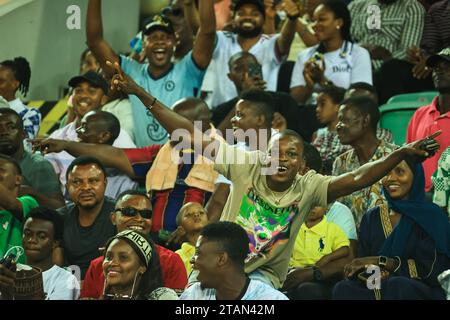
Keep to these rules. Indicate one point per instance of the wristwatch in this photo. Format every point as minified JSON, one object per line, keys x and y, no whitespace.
{"x":382,"y":261}
{"x":317,"y":274}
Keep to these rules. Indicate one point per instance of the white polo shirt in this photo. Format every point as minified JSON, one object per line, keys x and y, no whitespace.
{"x":350,"y":64}
{"x":220,"y":89}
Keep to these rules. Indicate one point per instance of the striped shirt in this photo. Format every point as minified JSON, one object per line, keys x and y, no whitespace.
{"x":400,"y":27}
{"x":441,"y":181}
{"x":436,"y":33}
{"x":31,"y":117}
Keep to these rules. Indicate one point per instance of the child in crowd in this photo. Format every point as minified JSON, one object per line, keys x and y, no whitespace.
{"x":191,"y":220}
{"x":326,"y":139}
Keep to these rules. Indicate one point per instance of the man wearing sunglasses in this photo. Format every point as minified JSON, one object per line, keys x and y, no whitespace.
{"x":133,"y":211}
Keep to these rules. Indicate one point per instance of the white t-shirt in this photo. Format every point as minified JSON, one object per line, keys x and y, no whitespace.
{"x":61,"y":161}
{"x":221,"y":89}
{"x":257,"y":290}
{"x":350,"y":64}
{"x":60,"y":284}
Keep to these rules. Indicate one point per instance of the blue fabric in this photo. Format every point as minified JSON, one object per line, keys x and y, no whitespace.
{"x":182,"y":81}
{"x":417,"y":210}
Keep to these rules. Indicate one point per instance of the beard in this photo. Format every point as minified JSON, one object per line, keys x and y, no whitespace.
{"x":248,"y":34}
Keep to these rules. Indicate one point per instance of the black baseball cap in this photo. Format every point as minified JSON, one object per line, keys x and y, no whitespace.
{"x":258,"y":3}
{"x":159,"y":22}
{"x":444,"y":54}
{"x":91,"y":77}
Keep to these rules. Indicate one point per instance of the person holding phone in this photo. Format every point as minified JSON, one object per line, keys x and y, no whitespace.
{"x":408,"y":241}
{"x":335,"y":60}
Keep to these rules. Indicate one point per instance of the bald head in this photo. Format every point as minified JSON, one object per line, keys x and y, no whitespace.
{"x":194,"y":109}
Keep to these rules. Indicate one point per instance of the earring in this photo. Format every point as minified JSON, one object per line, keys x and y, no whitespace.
{"x":338,"y":27}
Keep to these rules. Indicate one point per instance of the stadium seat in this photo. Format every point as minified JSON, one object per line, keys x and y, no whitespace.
{"x":423,"y":97}
{"x":396,"y":116}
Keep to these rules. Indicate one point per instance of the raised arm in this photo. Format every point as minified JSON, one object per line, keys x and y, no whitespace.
{"x":206,"y":36}
{"x":110,"y":156}
{"x":191,"y":15}
{"x":290,"y":26}
{"x":94,"y":34}
{"x":372,"y":172}
{"x":169,"y":119}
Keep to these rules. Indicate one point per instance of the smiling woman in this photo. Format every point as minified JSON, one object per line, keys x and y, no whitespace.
{"x":132,"y":269}
{"x":408,"y":241}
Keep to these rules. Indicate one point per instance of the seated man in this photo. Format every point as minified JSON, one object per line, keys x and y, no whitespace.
{"x":357,"y":127}
{"x":435,"y":116}
{"x":89,"y":93}
{"x":269,"y":198}
{"x":39,"y":179}
{"x":220,"y":254}
{"x":133,"y":210}
{"x":13,"y":209}
{"x":97,"y":127}
{"x":42,"y":232}
{"x":171,"y":183}
{"x":87,"y":226}
{"x":191,"y":220}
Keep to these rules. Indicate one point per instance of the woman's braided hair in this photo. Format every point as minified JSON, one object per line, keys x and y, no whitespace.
{"x":22,"y":72}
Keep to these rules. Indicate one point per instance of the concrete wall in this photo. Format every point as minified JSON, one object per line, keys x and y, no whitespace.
{"x":37,"y":30}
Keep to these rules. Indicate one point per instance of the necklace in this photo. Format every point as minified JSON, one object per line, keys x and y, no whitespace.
{"x":277,"y":201}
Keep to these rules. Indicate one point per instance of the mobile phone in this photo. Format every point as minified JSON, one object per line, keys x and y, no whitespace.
{"x":255,"y":71}
{"x":9,"y":261}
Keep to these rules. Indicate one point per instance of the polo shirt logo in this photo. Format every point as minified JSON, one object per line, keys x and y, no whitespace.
{"x":341,"y":69}
{"x":169,"y":85}
{"x":321,"y":245}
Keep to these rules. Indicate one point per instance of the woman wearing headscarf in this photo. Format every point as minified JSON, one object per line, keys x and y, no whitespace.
{"x":408,"y":241}
{"x":132,"y":270}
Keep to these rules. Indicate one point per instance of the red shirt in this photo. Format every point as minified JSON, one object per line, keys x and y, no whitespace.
{"x":426,"y":121}
{"x":173,"y":272}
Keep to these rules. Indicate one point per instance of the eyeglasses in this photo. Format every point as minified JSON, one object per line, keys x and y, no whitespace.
{"x":177,"y":12}
{"x":132,"y":212}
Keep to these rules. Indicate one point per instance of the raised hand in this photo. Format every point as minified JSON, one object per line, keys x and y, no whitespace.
{"x":48,"y":145}
{"x":121,"y":81}
{"x":422,"y":149}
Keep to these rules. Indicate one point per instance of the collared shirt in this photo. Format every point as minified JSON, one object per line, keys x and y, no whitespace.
{"x":441,"y":181}
{"x":31,"y":117}
{"x":426,"y":121}
{"x":313,"y":243}
{"x":401,"y":25}
{"x":221,"y":89}
{"x":330,"y":147}
{"x":186,"y":253}
{"x":362,"y":200}
{"x":437,"y":28}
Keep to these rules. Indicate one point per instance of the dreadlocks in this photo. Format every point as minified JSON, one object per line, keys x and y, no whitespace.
{"x":22,"y":72}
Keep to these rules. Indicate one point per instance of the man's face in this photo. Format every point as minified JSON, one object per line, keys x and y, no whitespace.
{"x":245,"y":118}
{"x":441,"y":76}
{"x":86,"y":185}
{"x":138,"y":223}
{"x":239,"y":68}
{"x":89,"y":130}
{"x":287,"y":152}
{"x":159,"y":48}
{"x":194,"y":218}
{"x":351,"y":124}
{"x":248,"y":21}
{"x":11,"y":134}
{"x":8,"y":83}
{"x":205,"y":261}
{"x":86,"y":98}
{"x":9,"y":176}
{"x":38,"y":239}
{"x":179,"y":22}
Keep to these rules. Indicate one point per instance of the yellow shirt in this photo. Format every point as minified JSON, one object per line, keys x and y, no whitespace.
{"x":186,"y":253}
{"x":312,"y":244}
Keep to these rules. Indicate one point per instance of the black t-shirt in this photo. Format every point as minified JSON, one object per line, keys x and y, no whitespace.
{"x":301,"y":119}
{"x":81,"y":244}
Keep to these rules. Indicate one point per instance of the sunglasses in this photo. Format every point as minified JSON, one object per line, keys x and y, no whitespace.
{"x":132,"y":212}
